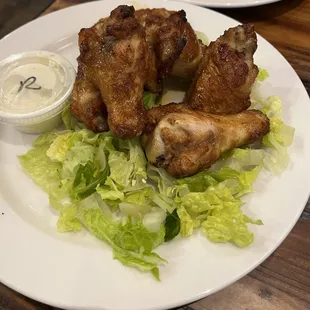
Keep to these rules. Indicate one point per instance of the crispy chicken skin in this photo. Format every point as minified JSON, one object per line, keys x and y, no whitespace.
{"x":164,"y":34}
{"x":124,"y":53}
{"x":115,"y":54}
{"x":187,"y":63}
{"x":187,"y":142}
{"x":224,"y":79}
{"x":155,"y":114}
{"x":87,"y":105}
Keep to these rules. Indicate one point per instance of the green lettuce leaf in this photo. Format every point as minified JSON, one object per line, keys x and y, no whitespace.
{"x":262,"y":74}
{"x":45,"y":139}
{"x":59,"y":147}
{"x":187,"y":223}
{"x":86,"y":180}
{"x":66,"y":117}
{"x":172,"y":225}
{"x":280,"y":135}
{"x":163,"y":180}
{"x":239,"y":182}
{"x":203,"y":37}
{"x":137,"y":158}
{"x":132,"y":243}
{"x":149,"y":100}
{"x":128,"y":165}
{"x":229,"y":225}
{"x":121,"y":169}
{"x":198,"y":182}
{"x":68,"y":219}
{"x":64,"y":164}
{"x":219,"y":212}
{"x":142,"y":197}
{"x":154,"y":220}
{"x":44,"y":172}
{"x":107,"y":194}
{"x":135,"y":237}
{"x":245,"y":159}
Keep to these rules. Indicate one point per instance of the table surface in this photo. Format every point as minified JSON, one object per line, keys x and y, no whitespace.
{"x":282,"y":282}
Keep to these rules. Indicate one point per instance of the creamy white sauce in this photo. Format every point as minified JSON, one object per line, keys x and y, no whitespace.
{"x":31,"y":83}
{"x":34,"y":89}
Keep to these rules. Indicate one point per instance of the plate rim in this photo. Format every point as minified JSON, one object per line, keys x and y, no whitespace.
{"x":205,"y":293}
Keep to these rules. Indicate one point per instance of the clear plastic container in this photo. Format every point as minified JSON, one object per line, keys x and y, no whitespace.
{"x":35,"y":87}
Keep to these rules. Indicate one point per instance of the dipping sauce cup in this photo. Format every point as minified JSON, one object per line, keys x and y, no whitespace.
{"x":35,"y":87}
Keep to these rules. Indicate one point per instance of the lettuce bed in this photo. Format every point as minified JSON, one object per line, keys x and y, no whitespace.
{"x":105,"y":185}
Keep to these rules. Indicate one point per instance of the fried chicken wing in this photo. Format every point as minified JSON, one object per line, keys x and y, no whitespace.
{"x":187,"y":63}
{"x":87,"y":105}
{"x":224,"y":79}
{"x":166,"y":40}
{"x":176,"y":48}
{"x":187,"y":142}
{"x":116,"y":57}
{"x":155,"y":114}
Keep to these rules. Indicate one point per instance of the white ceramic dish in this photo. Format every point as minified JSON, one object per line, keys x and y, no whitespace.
{"x":77,"y":271}
{"x":229,"y":3}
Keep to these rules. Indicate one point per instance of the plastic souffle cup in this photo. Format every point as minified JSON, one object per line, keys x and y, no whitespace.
{"x":35,"y":87}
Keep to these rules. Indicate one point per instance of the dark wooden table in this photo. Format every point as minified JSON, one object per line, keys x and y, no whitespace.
{"x":282,"y":282}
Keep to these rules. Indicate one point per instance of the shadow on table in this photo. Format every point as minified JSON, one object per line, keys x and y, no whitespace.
{"x":264,"y":12}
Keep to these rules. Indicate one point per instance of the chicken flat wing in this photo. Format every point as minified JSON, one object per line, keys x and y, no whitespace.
{"x":187,"y":63}
{"x":224,"y":79}
{"x":166,"y":40}
{"x":187,"y":142}
{"x":117,"y":65}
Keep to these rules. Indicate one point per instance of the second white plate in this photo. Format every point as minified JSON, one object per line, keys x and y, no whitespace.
{"x":228,"y":3}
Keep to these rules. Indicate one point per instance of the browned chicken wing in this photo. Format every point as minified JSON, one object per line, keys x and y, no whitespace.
{"x":155,"y":114}
{"x":115,"y":54}
{"x":224,"y":79}
{"x":124,"y":53}
{"x":187,"y":63}
{"x":87,"y":105}
{"x":164,"y":34}
{"x":187,"y":142}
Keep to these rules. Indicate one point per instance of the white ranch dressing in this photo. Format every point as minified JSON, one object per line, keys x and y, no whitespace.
{"x":34,"y":87}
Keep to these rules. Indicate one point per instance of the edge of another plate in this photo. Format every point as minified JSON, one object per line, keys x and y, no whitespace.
{"x":228,"y":4}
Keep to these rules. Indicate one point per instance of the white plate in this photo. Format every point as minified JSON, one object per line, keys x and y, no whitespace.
{"x":229,"y":3}
{"x":77,"y":271}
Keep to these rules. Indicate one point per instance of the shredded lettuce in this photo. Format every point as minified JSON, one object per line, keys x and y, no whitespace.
{"x":67,"y":118}
{"x":279,"y":137}
{"x":92,"y":179}
{"x":149,"y":100}
{"x":132,"y":243}
{"x":213,"y":204}
{"x":172,"y":225}
{"x":228,"y":224}
{"x":105,"y":185}
{"x":68,"y":219}
{"x":203,"y":37}
{"x":262,"y":74}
